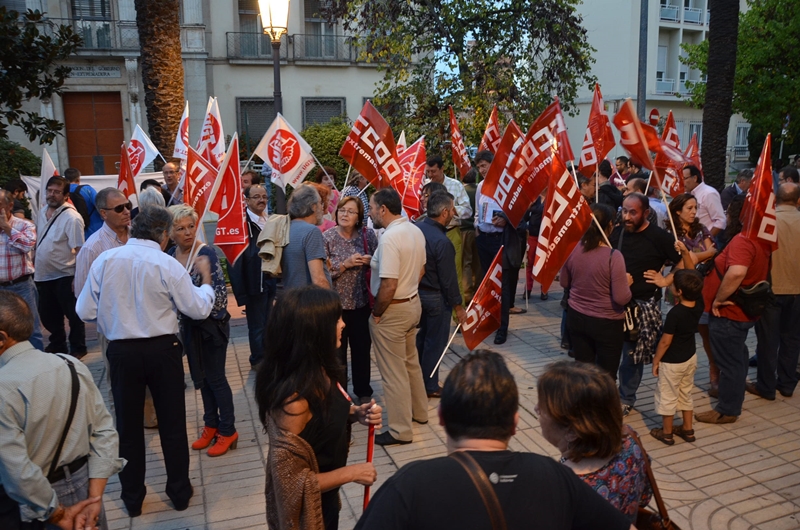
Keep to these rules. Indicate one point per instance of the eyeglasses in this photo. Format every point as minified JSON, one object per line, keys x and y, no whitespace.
{"x":342,"y":211}
{"x":257,"y":197}
{"x":126,"y":206}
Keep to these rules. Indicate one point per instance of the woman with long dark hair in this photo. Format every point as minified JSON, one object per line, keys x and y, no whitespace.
{"x":599,"y":288}
{"x":306,"y":412}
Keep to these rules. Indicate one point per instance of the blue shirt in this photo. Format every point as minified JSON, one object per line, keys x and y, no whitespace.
{"x":95,"y":221}
{"x":305,"y":244}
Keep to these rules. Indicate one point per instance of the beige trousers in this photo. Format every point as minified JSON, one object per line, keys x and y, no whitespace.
{"x":394,"y":343}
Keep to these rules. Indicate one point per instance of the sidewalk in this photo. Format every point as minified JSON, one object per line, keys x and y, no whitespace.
{"x":739,"y":476}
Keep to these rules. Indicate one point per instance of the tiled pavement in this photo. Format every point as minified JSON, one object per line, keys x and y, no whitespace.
{"x":740,"y":476}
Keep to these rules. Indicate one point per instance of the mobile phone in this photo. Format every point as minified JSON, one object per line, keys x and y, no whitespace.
{"x":496,"y":213}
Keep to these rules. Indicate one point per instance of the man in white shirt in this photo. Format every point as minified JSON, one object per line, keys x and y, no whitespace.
{"x":397,"y":267}
{"x":143,"y":346}
{"x":709,"y":205}
{"x":60,"y":233}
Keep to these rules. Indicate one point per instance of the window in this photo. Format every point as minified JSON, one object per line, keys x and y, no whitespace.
{"x":661,"y":65}
{"x":741,"y":147}
{"x":254,"y":116}
{"x":682,"y":140}
{"x":320,"y":39}
{"x":251,"y":39}
{"x":91,"y":9}
{"x":322,"y":110}
{"x":696,"y":127}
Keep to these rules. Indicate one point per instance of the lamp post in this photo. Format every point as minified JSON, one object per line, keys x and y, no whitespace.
{"x":275,"y":21}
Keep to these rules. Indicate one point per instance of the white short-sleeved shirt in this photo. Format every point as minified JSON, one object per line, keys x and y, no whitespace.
{"x":57,"y":244}
{"x":400,"y":255}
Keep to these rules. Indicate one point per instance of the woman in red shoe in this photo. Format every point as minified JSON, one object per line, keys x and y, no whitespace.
{"x":306,"y":413}
{"x":205,"y":342}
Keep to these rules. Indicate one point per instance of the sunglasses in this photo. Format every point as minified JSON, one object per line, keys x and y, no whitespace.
{"x":126,"y":206}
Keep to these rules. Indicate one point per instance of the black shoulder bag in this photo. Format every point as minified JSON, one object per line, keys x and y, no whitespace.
{"x":753,"y":299}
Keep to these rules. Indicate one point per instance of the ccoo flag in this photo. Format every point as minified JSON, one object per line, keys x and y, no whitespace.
{"x":460,"y":158}
{"x":671,"y":180}
{"x":759,"y":220}
{"x":491,"y":136}
{"x":370,"y":149}
{"x":483,"y":315}
{"x":599,"y":138}
{"x":125,"y":182}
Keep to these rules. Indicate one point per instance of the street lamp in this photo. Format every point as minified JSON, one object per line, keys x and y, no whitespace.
{"x":275,"y":21}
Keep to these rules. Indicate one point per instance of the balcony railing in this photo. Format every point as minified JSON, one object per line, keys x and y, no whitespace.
{"x":102,"y":34}
{"x":295,"y":48}
{"x":692,"y":15}
{"x":665,"y":86}
{"x":254,"y":46}
{"x":670,"y":13}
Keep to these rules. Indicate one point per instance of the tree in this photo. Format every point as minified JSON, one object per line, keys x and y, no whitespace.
{"x":30,"y":49}
{"x":470,"y":54}
{"x":158,"y":22}
{"x":765,"y":86}
{"x":326,"y":139}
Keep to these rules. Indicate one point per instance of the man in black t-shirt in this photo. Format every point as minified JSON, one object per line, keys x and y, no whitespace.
{"x":646,"y":249}
{"x":479,"y":414}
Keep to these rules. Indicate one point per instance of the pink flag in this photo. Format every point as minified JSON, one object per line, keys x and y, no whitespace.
{"x":212,"y":138}
{"x":758,"y":216}
{"x":182,"y":138}
{"x":491,"y":136}
{"x":599,"y":138}
{"x":141,"y":151}
{"x":286,"y":152}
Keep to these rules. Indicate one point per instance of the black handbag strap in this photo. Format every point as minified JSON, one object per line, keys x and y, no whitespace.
{"x":662,"y":508}
{"x":49,"y":226}
{"x":75,"y":388}
{"x":484,"y":487}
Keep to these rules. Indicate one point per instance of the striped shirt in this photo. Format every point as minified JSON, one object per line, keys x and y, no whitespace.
{"x":102,"y":240}
{"x":15,"y":249}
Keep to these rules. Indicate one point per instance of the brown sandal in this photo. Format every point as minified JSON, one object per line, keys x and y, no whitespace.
{"x":687,"y":435}
{"x":659,"y":435}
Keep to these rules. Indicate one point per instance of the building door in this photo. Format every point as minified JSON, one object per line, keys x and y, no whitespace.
{"x":93,"y":122}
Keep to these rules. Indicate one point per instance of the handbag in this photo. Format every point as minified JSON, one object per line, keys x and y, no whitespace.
{"x":484,"y":487}
{"x":752,"y":299}
{"x":370,"y":297}
{"x":647,"y":519}
{"x":630,"y":324}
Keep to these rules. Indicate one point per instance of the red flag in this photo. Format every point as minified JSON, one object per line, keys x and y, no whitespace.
{"x":199,"y":180}
{"x":693,"y":153}
{"x":231,"y":235}
{"x":566,"y":217}
{"x":212,"y":138}
{"x":491,"y":136}
{"x":635,"y":136}
{"x":125,"y":182}
{"x":460,"y":158}
{"x":759,"y":221}
{"x":599,"y":138}
{"x":559,"y":128}
{"x":501,"y":183}
{"x":483,"y":316}
{"x":370,"y":149}
{"x":671,"y":180}
{"x":412,"y":161}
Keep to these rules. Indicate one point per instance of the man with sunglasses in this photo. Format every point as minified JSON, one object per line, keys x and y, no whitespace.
{"x":115,"y":209}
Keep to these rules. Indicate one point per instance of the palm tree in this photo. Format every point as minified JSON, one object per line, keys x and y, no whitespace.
{"x":722,"y":35}
{"x":162,"y":68}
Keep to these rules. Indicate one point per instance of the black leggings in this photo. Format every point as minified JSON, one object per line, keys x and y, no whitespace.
{"x":596,"y":340}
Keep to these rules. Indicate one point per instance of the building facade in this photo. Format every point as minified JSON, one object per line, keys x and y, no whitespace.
{"x":224,"y":55}
{"x":613,"y":30}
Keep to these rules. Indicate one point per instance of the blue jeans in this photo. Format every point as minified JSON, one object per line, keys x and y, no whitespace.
{"x":216,"y":392}
{"x":778,"y":332}
{"x":434,"y":330}
{"x":257,"y":312}
{"x":630,"y":375}
{"x":73,"y":489}
{"x":727,"y":344}
{"x":27,"y":290}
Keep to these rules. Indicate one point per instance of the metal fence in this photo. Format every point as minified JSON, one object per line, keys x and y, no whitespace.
{"x":297,"y":47}
{"x":253,"y":46}
{"x":100,"y":34}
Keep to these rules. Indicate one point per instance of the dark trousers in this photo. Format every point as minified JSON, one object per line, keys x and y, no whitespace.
{"x":730,"y":353}
{"x":434,"y":330}
{"x":157,"y":364}
{"x":596,"y":340}
{"x":488,"y":245}
{"x":216,"y":392}
{"x":257,"y":312}
{"x":356,"y":334}
{"x":56,"y":301}
{"x":778,"y":332}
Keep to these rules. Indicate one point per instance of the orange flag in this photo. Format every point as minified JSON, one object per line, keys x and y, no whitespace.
{"x":460,"y":158}
{"x":483,"y":316}
{"x":491,"y":136}
{"x":758,"y":213}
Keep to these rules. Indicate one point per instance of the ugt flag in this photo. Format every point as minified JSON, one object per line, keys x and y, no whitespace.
{"x":759,"y":220}
{"x":199,"y":181}
{"x":181,"y":149}
{"x":599,"y":138}
{"x":371,"y":150}
{"x":125,"y":182}
{"x":231,"y":234}
{"x":286,"y":152}
{"x":483,"y":315}
{"x":141,"y":151}
{"x":460,"y":158}
{"x":491,"y":136}
{"x":566,"y":217}
{"x":212,"y":138}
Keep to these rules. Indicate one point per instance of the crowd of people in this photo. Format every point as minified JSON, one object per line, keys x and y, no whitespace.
{"x":343,"y":272}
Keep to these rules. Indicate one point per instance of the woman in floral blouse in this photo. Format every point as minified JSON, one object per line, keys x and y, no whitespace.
{"x":580,"y":414}
{"x":350,"y":246}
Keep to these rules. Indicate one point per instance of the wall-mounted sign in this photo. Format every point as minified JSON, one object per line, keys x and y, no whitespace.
{"x":95,"y":71}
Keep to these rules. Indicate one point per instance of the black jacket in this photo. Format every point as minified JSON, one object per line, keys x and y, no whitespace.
{"x":246,"y":276}
{"x":609,"y":194}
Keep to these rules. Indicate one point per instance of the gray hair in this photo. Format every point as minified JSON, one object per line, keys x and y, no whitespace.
{"x":744,"y":175}
{"x":302,"y":201}
{"x":101,"y":201}
{"x":151,"y":197}
{"x":16,"y":318}
{"x":182,"y":211}
{"x":151,"y":223}
{"x":439,"y":202}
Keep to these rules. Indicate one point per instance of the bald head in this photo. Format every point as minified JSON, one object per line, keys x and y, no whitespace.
{"x":788,"y":193}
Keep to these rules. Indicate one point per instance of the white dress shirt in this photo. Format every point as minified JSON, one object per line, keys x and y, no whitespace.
{"x":709,"y":207}
{"x":60,"y":238}
{"x":135,"y":292}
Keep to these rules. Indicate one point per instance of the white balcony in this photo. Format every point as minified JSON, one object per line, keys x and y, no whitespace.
{"x":692,"y":15}
{"x":665,"y":86}
{"x":670,"y":13}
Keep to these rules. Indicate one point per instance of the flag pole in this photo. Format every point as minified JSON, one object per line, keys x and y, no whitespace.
{"x":323,"y":170}
{"x":603,"y":232}
{"x":370,"y":452}
{"x":574,"y":174}
{"x":453,"y":336}
{"x":664,"y":199}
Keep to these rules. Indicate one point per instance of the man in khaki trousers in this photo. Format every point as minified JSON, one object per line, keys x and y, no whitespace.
{"x":397,"y":266}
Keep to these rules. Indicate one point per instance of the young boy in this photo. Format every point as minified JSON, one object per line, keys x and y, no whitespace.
{"x":675,"y":362}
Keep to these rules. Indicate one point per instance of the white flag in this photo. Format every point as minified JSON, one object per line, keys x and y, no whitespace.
{"x":212,"y":139}
{"x":141,"y":151}
{"x":48,"y":170}
{"x":182,"y":138}
{"x":286,"y":152}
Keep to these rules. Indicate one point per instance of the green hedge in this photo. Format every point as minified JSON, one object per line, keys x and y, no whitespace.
{"x":16,"y":159}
